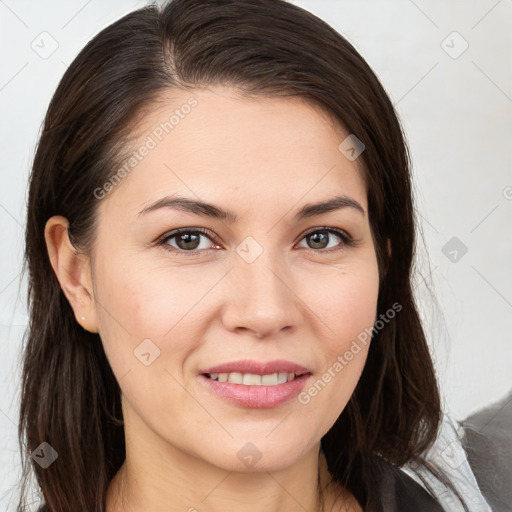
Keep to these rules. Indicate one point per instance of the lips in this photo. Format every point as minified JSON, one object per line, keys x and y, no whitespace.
{"x":263,"y":397}
{"x":257,"y":367}
{"x":281,"y":380}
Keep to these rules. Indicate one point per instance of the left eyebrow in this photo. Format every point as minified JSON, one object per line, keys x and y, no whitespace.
{"x":336,"y":203}
{"x":210,"y":210}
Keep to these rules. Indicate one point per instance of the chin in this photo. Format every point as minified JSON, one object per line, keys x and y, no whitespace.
{"x":256,"y":454}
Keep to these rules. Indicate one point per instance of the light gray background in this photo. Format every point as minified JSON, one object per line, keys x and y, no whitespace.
{"x":456,"y":108}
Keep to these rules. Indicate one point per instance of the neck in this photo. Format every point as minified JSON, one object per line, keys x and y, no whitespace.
{"x":158,"y":476}
{"x":196,"y":486}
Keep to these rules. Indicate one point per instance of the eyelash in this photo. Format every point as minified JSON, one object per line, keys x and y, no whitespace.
{"x":345,"y":237}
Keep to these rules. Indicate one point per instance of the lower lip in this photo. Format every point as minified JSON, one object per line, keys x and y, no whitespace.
{"x":257,"y":396}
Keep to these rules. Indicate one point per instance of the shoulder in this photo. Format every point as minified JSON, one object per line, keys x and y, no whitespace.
{"x":392,"y":488}
{"x":488,"y":443}
{"x":397,"y":491}
{"x":454,"y":473}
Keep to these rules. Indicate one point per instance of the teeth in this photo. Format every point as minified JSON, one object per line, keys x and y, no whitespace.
{"x":236,"y":378}
{"x":250,"y":379}
{"x":282,"y":377}
{"x":269,"y":380}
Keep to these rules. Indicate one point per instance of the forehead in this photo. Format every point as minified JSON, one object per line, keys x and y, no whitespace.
{"x":214,"y":144}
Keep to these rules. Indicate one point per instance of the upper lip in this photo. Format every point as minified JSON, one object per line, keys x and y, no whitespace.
{"x":258,"y":367}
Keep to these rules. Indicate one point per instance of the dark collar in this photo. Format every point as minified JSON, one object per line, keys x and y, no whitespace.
{"x":399,"y":492}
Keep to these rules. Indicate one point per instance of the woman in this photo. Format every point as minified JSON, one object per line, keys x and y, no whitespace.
{"x":219,"y":243}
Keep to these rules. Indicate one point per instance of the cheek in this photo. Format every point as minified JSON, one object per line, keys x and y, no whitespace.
{"x":145,"y":302}
{"x":345,"y":299}
{"x":354,"y":309}
{"x":148,"y":315}
{"x":348,"y":316}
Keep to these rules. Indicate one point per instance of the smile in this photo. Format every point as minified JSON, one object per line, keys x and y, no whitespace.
{"x":251,"y":379}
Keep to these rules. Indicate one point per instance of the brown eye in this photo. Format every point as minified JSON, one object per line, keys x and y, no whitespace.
{"x":320,"y":239}
{"x":187,"y":241}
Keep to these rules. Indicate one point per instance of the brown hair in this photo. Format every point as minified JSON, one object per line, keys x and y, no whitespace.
{"x":70,"y":397}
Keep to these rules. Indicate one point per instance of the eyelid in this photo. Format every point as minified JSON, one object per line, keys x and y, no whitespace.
{"x":338,"y":231}
{"x":347,"y":239}
{"x":175,"y":232}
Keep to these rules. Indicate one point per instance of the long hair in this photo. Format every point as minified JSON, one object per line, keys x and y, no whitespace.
{"x":70,"y":398}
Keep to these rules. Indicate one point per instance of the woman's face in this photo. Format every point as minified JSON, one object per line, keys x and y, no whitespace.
{"x":271,"y":285}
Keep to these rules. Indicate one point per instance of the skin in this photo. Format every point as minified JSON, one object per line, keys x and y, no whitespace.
{"x":263,"y":159}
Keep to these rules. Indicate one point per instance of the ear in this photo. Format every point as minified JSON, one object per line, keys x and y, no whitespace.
{"x":73,"y":272}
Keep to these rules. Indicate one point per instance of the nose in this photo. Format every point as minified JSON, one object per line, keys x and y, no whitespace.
{"x":261,"y":299}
